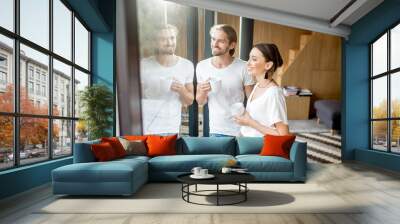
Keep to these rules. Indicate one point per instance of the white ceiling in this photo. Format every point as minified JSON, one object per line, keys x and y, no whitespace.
{"x":314,"y":15}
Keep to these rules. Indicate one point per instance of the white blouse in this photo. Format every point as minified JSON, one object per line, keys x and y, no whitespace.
{"x":267,"y":109}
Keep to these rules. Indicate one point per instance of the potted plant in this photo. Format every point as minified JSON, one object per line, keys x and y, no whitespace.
{"x":96,"y":102}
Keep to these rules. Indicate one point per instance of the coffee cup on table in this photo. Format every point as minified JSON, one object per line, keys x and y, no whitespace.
{"x":226,"y":170}
{"x":196,"y":171}
{"x":203,"y":172}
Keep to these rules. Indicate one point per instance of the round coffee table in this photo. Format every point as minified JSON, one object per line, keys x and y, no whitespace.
{"x":238,"y":179}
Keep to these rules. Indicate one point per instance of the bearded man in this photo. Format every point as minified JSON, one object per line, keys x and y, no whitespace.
{"x":228,"y":75}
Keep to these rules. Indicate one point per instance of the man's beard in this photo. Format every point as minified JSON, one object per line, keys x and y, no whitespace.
{"x":219,"y":52}
{"x":166,"y":51}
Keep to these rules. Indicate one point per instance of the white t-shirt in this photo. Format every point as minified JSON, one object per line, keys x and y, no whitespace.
{"x":268,"y":109}
{"x":161,"y":107}
{"x":233,"y":79}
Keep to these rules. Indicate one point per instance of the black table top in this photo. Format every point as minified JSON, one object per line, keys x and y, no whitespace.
{"x":220,"y":178}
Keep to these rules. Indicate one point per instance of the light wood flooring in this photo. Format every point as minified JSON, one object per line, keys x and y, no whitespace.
{"x":377,"y":188}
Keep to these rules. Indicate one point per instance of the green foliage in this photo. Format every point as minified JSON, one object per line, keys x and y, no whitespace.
{"x":96,"y":102}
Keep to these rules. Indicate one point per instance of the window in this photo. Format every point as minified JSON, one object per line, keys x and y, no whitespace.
{"x":7,"y":14}
{"x":38,"y":89}
{"x":54,"y":126}
{"x":62,"y":29}
{"x":37,"y":74}
{"x":385,"y":97}
{"x":3,"y":78}
{"x":30,"y":87}
{"x":44,"y":91}
{"x":3,"y":61}
{"x":30,"y":72}
{"x":62,"y":74}
{"x":81,"y":45}
{"x":34,"y":21}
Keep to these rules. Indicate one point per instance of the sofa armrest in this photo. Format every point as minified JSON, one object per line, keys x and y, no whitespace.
{"x":83,"y":152}
{"x":298,"y":155}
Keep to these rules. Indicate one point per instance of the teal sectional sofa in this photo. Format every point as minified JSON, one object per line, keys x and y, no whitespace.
{"x":125,"y":176}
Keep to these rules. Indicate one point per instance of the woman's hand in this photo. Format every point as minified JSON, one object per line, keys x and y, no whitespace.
{"x":244,"y":119}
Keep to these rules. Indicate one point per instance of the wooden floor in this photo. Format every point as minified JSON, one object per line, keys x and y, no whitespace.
{"x":377,"y":188}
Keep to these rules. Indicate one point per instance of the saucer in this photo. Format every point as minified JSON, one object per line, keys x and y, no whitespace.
{"x":208,"y":176}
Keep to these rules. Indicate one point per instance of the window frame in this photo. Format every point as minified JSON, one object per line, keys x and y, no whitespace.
{"x":388,"y":74}
{"x":16,"y":115}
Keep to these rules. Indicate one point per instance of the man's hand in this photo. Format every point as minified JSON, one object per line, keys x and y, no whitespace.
{"x":204,"y":87}
{"x":176,"y":86}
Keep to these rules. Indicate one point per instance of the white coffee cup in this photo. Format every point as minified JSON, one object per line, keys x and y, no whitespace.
{"x":237,"y":109}
{"x":226,"y":170}
{"x":203,"y":172}
{"x":216,"y":84}
{"x":165,"y":84}
{"x":196,"y":171}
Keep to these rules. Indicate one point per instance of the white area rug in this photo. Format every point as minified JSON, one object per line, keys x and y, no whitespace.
{"x":166,"y":198}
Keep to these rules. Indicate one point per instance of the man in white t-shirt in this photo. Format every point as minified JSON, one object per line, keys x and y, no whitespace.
{"x":167,"y":84}
{"x":228,"y":76}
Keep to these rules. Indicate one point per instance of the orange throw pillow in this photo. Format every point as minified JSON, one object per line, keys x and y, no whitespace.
{"x":277,"y":145}
{"x":103,"y":151}
{"x":161,"y":145}
{"x":116,"y":145}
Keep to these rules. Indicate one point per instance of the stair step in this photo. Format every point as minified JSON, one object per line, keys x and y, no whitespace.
{"x":304,"y":38}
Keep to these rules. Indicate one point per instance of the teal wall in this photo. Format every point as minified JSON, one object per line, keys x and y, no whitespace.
{"x":24,"y":178}
{"x":356,"y":124}
{"x":99,"y":15}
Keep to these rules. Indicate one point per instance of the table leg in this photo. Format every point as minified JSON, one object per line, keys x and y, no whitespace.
{"x":245,"y":193}
{"x":196,"y":188}
{"x":217,"y":194}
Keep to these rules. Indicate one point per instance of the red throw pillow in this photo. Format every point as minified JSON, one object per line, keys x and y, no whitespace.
{"x":161,"y":145}
{"x":103,"y":152}
{"x":116,"y":145}
{"x":277,"y":145}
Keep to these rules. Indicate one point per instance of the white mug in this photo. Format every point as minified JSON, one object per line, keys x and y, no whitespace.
{"x":237,"y":109}
{"x":216,"y":84}
{"x":203,"y":172}
{"x":196,"y":170}
{"x":226,"y":170}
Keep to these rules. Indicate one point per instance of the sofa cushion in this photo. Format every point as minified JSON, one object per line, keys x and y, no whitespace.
{"x":206,"y":145}
{"x":111,"y":171}
{"x":185,"y":163}
{"x":257,"y":163}
{"x":249,"y":145}
{"x":134,"y":147}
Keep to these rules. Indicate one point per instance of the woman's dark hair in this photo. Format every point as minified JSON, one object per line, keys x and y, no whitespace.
{"x":271,"y":53}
